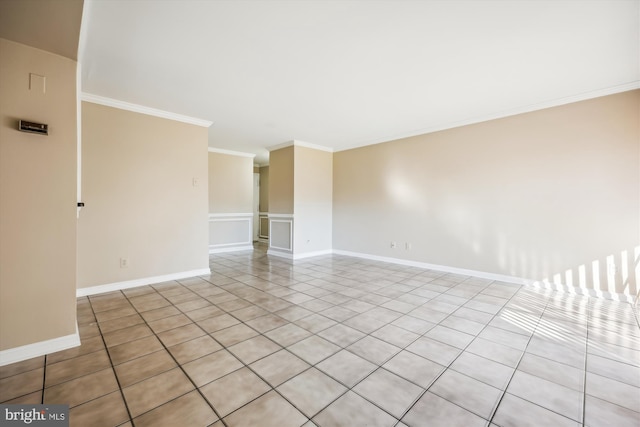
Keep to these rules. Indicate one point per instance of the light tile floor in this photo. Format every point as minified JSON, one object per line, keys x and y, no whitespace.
{"x":339,"y":341}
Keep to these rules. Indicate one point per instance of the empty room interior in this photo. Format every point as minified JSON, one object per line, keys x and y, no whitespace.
{"x":320,"y":213}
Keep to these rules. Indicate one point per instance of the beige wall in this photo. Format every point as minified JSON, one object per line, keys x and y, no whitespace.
{"x":264,"y":189}
{"x":230,"y":192}
{"x":536,"y":195}
{"x":37,"y":198}
{"x":312,"y":200}
{"x":281,"y":181}
{"x":138,"y":176}
{"x":230,"y":183}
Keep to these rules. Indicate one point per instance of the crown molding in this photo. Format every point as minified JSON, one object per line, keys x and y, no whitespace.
{"x":136,"y":108}
{"x":231,"y":152}
{"x":502,"y":114}
{"x":300,"y":144}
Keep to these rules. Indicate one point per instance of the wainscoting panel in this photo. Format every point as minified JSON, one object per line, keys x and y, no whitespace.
{"x":281,"y":233}
{"x":230,"y":232}
{"x":263,"y":232}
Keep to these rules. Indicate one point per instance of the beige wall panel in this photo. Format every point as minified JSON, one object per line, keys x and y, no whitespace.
{"x":264,"y":189}
{"x":543,"y":195}
{"x":141,"y":202}
{"x":37,"y":198}
{"x":230,"y":183}
{"x":313,"y":199}
{"x":281,"y":181}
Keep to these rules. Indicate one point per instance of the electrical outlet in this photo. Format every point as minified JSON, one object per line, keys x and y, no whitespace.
{"x":124,"y":262}
{"x":407,"y":246}
{"x":393,"y":245}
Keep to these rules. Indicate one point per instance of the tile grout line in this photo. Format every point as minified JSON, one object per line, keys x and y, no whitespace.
{"x":586,"y":355}
{"x":461,"y":352}
{"x":179,"y":365}
{"x":113,"y":369}
{"x":420,"y":335}
{"x":515,"y":369}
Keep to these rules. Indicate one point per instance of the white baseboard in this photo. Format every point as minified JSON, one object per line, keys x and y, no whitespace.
{"x":312,"y":254}
{"x":230,"y":249}
{"x":537,"y":284}
{"x":437,"y":267}
{"x":18,"y":354}
{"x":287,"y":255}
{"x":100,"y":289}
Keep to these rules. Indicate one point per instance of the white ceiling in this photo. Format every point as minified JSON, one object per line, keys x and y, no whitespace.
{"x":343,"y":74}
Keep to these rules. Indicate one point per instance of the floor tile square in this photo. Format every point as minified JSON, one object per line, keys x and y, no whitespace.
{"x":600,"y":413}
{"x":414,"y":368}
{"x":270,"y":410}
{"x":211,"y":367}
{"x":346,"y":367}
{"x":352,"y":410}
{"x":233,"y":334}
{"x":108,"y":410}
{"x":613,"y":391}
{"x":413,"y":324}
{"x":315,"y":323}
{"x":253,"y":349}
{"x":389,"y":391}
{"x":374,"y":350}
{"x":76,"y":367}
{"x":155,"y":391}
{"x":550,"y":370}
{"x":83,"y":389}
{"x":341,"y":335}
{"x":311,"y":391}
{"x":194,"y":349}
{"x":516,"y":412}
{"x":288,"y":334}
{"x":133,"y":349}
{"x":547,"y":394}
{"x":267,"y":322}
{"x":246,"y":387}
{"x":464,"y":391}
{"x":187,"y":410}
{"x":434,"y":411}
{"x":489,"y":372}
{"x":144,"y":367}
{"x":433,"y":350}
{"x":313,"y":349}
{"x":279,"y":367}
{"x":216,"y":323}
{"x":395,"y":335}
{"x":21,"y":384}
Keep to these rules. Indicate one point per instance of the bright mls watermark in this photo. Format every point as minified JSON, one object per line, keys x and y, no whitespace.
{"x":34,"y":415}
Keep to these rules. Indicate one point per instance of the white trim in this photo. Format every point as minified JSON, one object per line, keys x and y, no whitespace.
{"x":537,"y":284}
{"x":127,"y":284}
{"x":263,"y":213}
{"x":230,"y":215}
{"x":275,"y":252}
{"x":274,"y":215}
{"x":218,"y":249}
{"x":231,"y":152}
{"x":312,"y":254}
{"x":18,"y":354}
{"x":499,"y":115}
{"x":136,"y":108}
{"x":300,"y":144}
{"x":443,"y":268}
